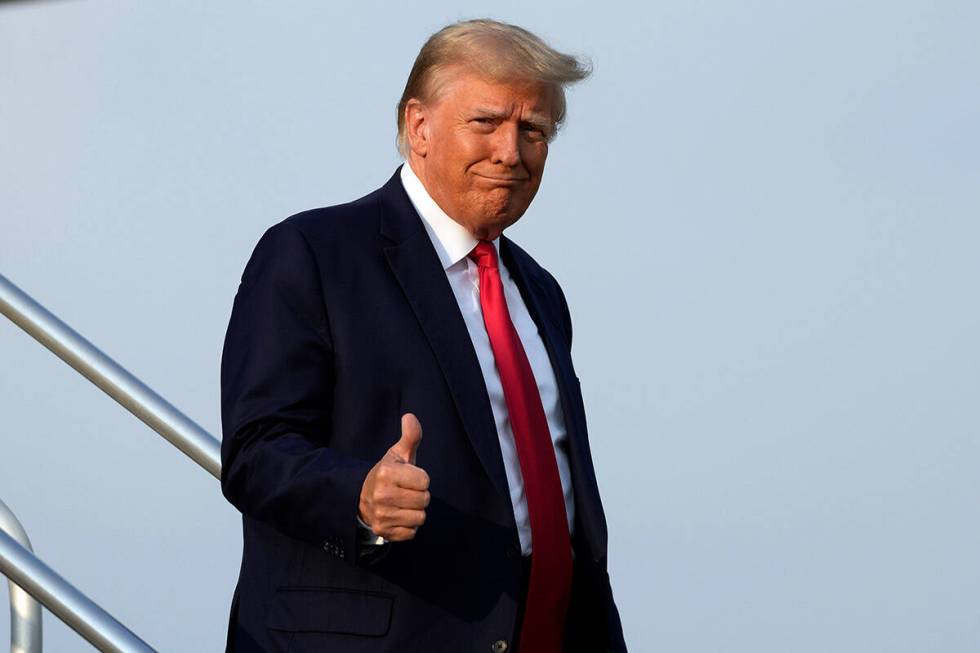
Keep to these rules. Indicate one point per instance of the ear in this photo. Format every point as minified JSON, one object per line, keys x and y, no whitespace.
{"x":417,"y":122}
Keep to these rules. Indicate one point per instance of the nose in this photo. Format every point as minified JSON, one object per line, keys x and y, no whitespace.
{"x":506,"y":147}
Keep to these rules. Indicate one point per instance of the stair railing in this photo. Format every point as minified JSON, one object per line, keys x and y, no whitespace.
{"x":25,"y":611}
{"x":79,"y":612}
{"x":182,"y":432}
{"x":17,"y":562}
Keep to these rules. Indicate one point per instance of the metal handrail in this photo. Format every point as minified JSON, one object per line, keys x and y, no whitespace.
{"x":17,"y":562}
{"x":161,"y":416}
{"x":25,"y":611}
{"x":59,"y":596}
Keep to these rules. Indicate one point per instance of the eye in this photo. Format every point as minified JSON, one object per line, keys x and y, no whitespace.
{"x":483,"y":124}
{"x":534,"y":133}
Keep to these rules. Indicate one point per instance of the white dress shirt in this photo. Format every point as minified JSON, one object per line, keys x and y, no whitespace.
{"x":453,"y":243}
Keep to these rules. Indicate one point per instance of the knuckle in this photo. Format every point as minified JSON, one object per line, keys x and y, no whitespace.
{"x":394,"y":535}
{"x":383,"y":495}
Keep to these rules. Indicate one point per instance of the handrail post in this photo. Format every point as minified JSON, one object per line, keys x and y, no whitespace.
{"x":25,"y":611}
{"x":135,"y":396}
{"x":59,"y":596}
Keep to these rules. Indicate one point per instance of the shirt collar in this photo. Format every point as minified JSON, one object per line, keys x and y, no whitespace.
{"x":451,"y":239}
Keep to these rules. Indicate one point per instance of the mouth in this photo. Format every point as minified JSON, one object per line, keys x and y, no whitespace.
{"x":503,"y":180}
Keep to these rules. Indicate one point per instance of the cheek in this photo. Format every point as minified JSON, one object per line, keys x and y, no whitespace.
{"x":534,"y":156}
{"x":453,"y":147}
{"x":471,"y":149}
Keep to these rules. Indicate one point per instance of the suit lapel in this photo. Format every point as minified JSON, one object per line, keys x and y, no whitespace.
{"x":414,"y":262}
{"x":535,"y":294}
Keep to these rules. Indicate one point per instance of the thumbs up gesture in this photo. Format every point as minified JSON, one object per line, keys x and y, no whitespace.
{"x":396,"y":492}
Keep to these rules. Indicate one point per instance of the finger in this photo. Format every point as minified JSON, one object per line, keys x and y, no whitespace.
{"x":401,"y":518}
{"x":398,"y":534}
{"x":411,"y":437}
{"x":393,"y":496}
{"x":410,"y":477}
{"x":403,"y":475}
{"x":408,"y":499}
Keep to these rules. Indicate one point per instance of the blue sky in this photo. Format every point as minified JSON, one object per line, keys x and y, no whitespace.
{"x":764,"y":216}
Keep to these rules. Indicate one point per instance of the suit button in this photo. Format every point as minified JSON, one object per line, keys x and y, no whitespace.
{"x":499,"y":646}
{"x":513,"y":551}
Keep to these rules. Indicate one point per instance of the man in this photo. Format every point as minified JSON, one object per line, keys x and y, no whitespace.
{"x":404,"y":432}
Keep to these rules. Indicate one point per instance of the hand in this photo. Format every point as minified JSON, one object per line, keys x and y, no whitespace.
{"x":396,"y":492}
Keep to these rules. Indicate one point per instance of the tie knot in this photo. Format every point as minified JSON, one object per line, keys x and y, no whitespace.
{"x":484,"y":254}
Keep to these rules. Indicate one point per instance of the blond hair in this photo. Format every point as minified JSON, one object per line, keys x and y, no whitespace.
{"x":496,"y":50}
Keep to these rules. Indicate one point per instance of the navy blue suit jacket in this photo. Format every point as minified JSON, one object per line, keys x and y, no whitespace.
{"x":343,"y":321}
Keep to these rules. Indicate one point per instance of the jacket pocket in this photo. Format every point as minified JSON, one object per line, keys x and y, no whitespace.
{"x":330,"y":610}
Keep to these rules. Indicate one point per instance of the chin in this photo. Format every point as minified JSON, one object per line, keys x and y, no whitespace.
{"x":490,"y":228}
{"x":502,"y":209}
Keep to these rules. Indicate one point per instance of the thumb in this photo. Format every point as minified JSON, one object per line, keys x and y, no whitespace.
{"x":408,"y":444}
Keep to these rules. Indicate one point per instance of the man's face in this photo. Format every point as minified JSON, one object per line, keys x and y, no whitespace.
{"x":480,"y":149}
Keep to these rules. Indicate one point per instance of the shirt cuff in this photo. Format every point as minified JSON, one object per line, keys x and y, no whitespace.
{"x":367,"y":536}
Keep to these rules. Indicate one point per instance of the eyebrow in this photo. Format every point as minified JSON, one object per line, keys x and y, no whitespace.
{"x":536,"y":120}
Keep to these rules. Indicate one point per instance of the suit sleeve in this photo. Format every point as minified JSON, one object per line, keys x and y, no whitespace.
{"x":276,"y":398}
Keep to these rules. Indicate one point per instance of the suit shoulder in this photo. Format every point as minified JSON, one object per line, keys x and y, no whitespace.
{"x":305,"y":238}
{"x":528,"y":262}
{"x":340,"y":220}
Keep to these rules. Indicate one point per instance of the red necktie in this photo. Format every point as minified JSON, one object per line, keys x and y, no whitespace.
{"x":551,"y":560}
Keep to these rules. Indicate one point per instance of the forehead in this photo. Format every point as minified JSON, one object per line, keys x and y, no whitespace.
{"x":465,"y":89}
